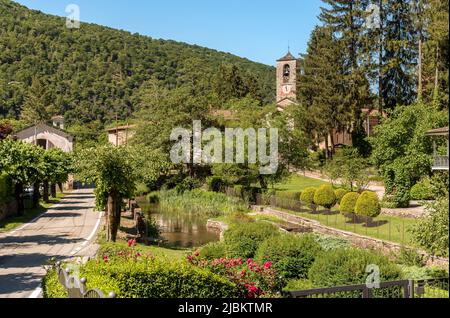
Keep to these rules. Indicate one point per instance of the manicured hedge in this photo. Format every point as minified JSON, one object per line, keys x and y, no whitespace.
{"x":289,"y":195}
{"x":325,"y":196}
{"x":151,"y":278}
{"x":348,"y":267}
{"x":51,"y":287}
{"x":291,"y":255}
{"x":243,"y":239}
{"x":368,"y":205}
{"x":6,"y":189}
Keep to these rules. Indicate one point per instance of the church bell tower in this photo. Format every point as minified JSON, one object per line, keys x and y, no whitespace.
{"x":286,"y":81}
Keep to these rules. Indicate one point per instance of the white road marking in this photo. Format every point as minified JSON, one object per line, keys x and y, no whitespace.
{"x":94,"y":231}
{"x":36,"y":293}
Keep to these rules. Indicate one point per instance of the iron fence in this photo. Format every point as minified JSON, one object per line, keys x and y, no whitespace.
{"x":432,"y":288}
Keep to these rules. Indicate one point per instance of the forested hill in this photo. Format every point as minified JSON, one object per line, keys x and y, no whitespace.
{"x":91,"y":73}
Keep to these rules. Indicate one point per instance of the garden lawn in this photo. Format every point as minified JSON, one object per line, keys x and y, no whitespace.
{"x":14,"y":222}
{"x":386,"y":228}
{"x":297,"y":183}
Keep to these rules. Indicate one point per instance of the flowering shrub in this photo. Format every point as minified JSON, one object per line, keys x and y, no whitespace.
{"x":252,"y":279}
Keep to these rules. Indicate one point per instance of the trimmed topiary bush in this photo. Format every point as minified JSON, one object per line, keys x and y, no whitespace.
{"x":307,"y":197}
{"x":340,"y":193}
{"x":291,"y":255}
{"x":422,"y":190}
{"x":348,"y":203}
{"x":368,"y":206}
{"x":243,"y":239}
{"x":351,"y":267}
{"x":324,"y":196}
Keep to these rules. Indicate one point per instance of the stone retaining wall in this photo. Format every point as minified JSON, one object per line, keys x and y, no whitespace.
{"x":218,"y":226}
{"x":355,"y":239}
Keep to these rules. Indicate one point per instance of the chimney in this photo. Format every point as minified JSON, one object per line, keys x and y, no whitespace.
{"x":58,"y":122}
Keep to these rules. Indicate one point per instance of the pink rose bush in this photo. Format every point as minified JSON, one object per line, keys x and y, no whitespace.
{"x":254,"y":280}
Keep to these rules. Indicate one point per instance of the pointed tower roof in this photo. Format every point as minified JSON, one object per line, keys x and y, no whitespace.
{"x":287,"y":57}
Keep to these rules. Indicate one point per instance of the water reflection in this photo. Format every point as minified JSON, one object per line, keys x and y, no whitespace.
{"x":181,"y":229}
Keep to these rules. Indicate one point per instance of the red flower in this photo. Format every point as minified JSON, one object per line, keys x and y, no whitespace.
{"x":129,"y":243}
{"x":249,"y":261}
{"x":268,"y":265}
{"x":105,"y":259}
{"x":134,"y":243}
{"x":138,"y":254}
{"x":196,"y":253}
{"x":189,"y":258}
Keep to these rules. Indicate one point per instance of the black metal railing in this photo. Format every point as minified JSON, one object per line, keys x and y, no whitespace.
{"x":432,"y":288}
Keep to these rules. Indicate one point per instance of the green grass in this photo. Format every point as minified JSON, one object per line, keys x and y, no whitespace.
{"x":12,"y":223}
{"x":297,"y":183}
{"x":386,"y":228}
{"x":156,"y":251}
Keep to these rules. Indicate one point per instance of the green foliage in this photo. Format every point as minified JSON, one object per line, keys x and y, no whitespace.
{"x":188,"y":184}
{"x":6,"y":188}
{"x":348,"y":267}
{"x":289,"y":195}
{"x":298,"y":284}
{"x":330,"y":243}
{"x":212,"y":251}
{"x":141,"y":189}
{"x":410,"y":257}
{"x":98,"y":71}
{"x":431,"y":232}
{"x":307,"y":195}
{"x":348,"y":203}
{"x":51,"y":287}
{"x":153,"y":229}
{"x":211,"y":204}
{"x":422,"y":190}
{"x":368,"y":205}
{"x":153,"y":198}
{"x":325,"y":196}
{"x":291,"y":255}
{"x":243,"y":239}
{"x":401,"y":150}
{"x":340,"y":193}
{"x":148,"y":277}
{"x":422,"y":273}
{"x":215,"y":184}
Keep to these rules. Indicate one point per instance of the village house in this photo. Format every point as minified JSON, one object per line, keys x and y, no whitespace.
{"x":121,"y":135}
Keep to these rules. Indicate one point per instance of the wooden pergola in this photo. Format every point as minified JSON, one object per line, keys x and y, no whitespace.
{"x":440,"y":161}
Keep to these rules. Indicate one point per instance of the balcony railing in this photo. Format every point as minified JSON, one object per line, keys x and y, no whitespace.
{"x":440,"y":163}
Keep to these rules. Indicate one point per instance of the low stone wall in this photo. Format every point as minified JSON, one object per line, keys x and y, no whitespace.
{"x":221,"y":227}
{"x":8,"y":209}
{"x":356,"y":240}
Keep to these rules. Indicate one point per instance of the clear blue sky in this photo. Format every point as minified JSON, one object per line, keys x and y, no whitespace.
{"x":256,"y":29}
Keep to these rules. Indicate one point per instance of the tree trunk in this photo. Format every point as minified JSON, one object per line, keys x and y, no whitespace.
{"x":61,"y":188}
{"x":436,"y":78}
{"x":53,"y":190}
{"x":36,"y":195}
{"x":419,"y":80}
{"x":114,"y":207}
{"x":45,"y":192}
{"x":19,"y":199}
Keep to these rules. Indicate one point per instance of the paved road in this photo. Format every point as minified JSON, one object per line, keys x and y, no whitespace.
{"x":64,"y":231}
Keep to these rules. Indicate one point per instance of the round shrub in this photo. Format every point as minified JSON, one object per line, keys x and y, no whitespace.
{"x":422,"y":190}
{"x":243,"y":239}
{"x":348,"y":203}
{"x":348,"y":267}
{"x":291,"y":255}
{"x":212,"y":251}
{"x":368,"y":205}
{"x":340,"y":193}
{"x":324,"y":196}
{"x":307,"y":195}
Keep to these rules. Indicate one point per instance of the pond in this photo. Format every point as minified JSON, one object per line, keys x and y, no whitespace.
{"x":180,"y":229}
